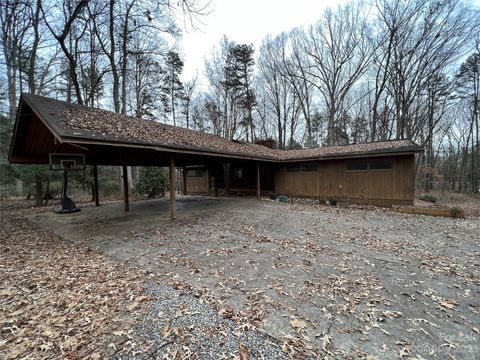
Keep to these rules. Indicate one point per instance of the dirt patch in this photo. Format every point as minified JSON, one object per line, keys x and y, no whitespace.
{"x":321,"y":280}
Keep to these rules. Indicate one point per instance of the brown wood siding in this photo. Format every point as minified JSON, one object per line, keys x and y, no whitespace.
{"x":198,"y":185}
{"x":334,"y":181}
{"x":296,"y":183}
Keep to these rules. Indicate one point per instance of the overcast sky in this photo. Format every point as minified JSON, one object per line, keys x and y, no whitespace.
{"x":245,"y":22}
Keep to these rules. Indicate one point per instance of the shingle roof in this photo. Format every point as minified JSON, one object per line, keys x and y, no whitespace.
{"x":74,"y":122}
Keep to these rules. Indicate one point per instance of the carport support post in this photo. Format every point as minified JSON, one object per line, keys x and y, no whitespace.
{"x":172,"y":190}
{"x":184,"y":173}
{"x":125,"y":187}
{"x":216,"y":180}
{"x":258,"y":181}
{"x":227,"y":177}
{"x":95,"y":185}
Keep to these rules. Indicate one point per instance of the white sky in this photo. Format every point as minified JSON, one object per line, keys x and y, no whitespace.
{"x":245,"y":22}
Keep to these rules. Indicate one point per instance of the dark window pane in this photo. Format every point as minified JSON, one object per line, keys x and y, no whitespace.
{"x":238,"y":173}
{"x":357,"y":165}
{"x":302,"y":168}
{"x":293,"y":168}
{"x":309,"y":167}
{"x":195,"y":173}
{"x":381,"y":164}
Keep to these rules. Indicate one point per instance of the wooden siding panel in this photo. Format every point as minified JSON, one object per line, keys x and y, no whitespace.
{"x":383,"y":184}
{"x":296,"y":183}
{"x":358,"y":185}
{"x":332,"y":178}
{"x":334,"y":181}
{"x":198,"y":185}
{"x":279,"y":180}
{"x":403,"y":184}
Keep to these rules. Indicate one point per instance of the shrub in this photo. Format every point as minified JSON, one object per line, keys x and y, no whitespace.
{"x":152,"y":181}
{"x":429,"y":198}
{"x":109,"y":187}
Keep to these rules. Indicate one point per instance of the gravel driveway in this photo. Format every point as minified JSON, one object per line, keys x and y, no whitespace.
{"x":316,"y":280}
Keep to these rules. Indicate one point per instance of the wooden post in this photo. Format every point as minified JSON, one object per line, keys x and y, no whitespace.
{"x":125,"y":188}
{"x":216,"y":180}
{"x":95,"y":185}
{"x":227,"y":178}
{"x":173,"y":209}
{"x":184,"y":180}
{"x":258,"y":181}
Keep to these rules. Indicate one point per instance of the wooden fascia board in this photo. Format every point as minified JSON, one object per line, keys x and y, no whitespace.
{"x":71,"y":140}
{"x":74,"y":140}
{"x":356,"y":156}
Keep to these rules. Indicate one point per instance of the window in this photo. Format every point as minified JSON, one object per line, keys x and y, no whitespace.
{"x":357,"y":165}
{"x":381,"y":164}
{"x":195,"y":172}
{"x":372,"y":164}
{"x":238,"y":173}
{"x":302,"y":168}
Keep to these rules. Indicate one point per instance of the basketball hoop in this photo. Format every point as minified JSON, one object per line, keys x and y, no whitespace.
{"x":67,"y":162}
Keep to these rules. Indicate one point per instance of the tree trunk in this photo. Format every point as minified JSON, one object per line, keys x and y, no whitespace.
{"x":38,"y":190}
{"x":33,"y":56}
{"x":47,"y":193}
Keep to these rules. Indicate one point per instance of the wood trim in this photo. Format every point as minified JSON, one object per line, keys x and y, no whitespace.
{"x":70,"y":140}
{"x":73,"y":140}
{"x":356,"y":156}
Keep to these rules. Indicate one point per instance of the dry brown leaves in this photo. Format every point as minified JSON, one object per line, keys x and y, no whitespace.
{"x":61,"y":300}
{"x":108,"y":124}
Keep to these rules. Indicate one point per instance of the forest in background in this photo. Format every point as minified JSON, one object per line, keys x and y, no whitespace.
{"x":394,"y":69}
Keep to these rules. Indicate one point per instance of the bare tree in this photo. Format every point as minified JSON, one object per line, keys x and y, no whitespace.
{"x":15,"y":22}
{"x":276,"y":84}
{"x":426,"y":37}
{"x":70,"y":52}
{"x":339,"y":53}
{"x":187,"y":98}
{"x":221,"y":96}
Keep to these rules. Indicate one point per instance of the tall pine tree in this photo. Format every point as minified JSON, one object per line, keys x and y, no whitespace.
{"x":172,"y":86}
{"x":239,"y":76}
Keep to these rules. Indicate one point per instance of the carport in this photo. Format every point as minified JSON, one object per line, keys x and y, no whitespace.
{"x":47,"y":126}
{"x":381,"y":173}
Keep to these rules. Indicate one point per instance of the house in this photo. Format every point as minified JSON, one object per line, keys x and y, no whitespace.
{"x":379,"y":173}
